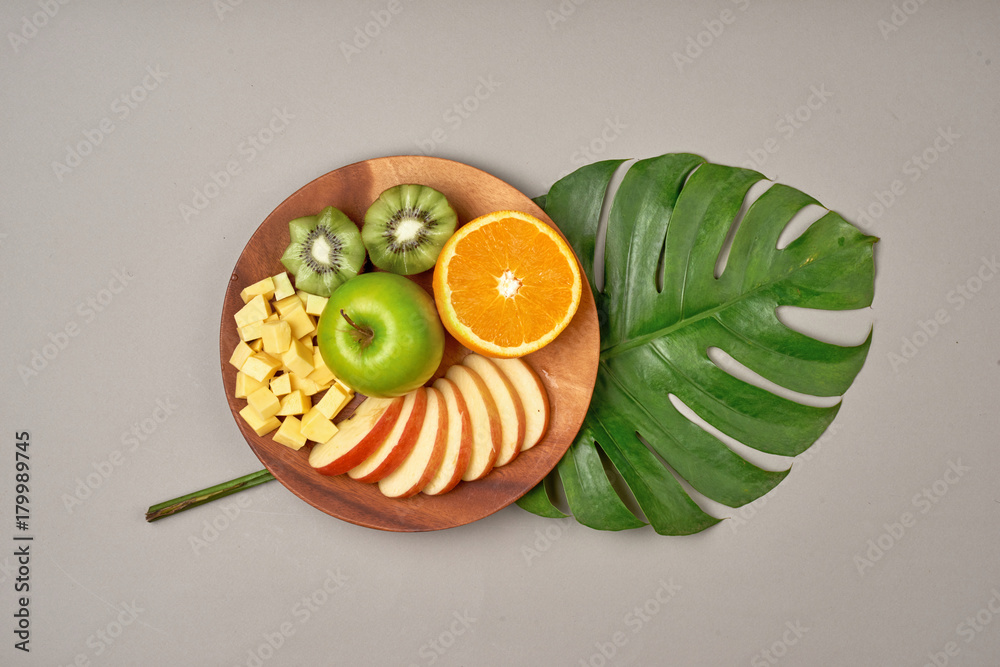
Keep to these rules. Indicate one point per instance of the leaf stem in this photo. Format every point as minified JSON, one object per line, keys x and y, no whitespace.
{"x":181,"y":503}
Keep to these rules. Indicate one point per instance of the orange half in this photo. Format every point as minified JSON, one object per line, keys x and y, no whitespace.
{"x":506,"y":284}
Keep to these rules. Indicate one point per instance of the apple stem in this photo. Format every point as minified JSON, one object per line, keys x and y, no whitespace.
{"x":364,"y":335}
{"x":190,"y":500}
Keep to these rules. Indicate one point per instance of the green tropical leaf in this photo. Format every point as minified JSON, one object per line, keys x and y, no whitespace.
{"x":674,"y":214}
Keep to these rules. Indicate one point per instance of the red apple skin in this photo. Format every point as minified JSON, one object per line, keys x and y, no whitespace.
{"x":433,"y":462}
{"x":463,"y":422}
{"x":355,"y":453}
{"x":486,"y":436}
{"x":401,"y":448}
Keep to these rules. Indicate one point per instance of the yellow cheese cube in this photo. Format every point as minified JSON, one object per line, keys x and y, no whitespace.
{"x":282,"y":286}
{"x":264,"y":402}
{"x":245,"y":385}
{"x":333,"y":401}
{"x":259,"y":425}
{"x":317,"y":427}
{"x":264,"y":288}
{"x":288,"y":304}
{"x":277,"y":336}
{"x":255,"y":310}
{"x":290,"y":433}
{"x":315,"y":304}
{"x":303,"y":296}
{"x":301,"y":322}
{"x":251,"y":331}
{"x":298,"y":357}
{"x":281,"y":385}
{"x":257,"y":345}
{"x":240,"y":354}
{"x":295,"y":403}
{"x":321,"y":375}
{"x":261,"y":366}
{"x":304,"y":384}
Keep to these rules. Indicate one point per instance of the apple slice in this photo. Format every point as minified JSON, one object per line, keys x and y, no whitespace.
{"x":508,"y":404}
{"x":358,"y":436}
{"x":424,"y":460}
{"x":534,"y":398}
{"x":485,"y":419}
{"x":397,"y":446}
{"x":458,"y":447}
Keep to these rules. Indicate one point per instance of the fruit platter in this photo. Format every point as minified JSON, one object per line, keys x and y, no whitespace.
{"x":349,"y":378}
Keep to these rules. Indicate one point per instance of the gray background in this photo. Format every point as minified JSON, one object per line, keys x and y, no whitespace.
{"x":784,"y":580}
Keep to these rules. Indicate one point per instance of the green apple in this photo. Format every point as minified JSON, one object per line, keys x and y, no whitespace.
{"x":380,"y":334}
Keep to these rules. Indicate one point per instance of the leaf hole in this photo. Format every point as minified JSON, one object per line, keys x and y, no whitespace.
{"x":619,"y":484}
{"x":760,"y":459}
{"x":707,"y":505}
{"x":727,"y":363}
{"x":799,"y":223}
{"x":753,"y":194}
{"x":837,"y":327}
{"x":600,"y":242}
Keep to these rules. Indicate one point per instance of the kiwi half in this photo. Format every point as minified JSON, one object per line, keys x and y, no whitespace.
{"x":326,"y":251}
{"x":406,"y":227}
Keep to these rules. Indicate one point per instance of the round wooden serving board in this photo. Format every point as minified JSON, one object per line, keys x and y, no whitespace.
{"x":567,"y":366}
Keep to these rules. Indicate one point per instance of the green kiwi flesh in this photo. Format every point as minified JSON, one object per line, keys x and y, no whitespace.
{"x":406,"y":227}
{"x":326,"y":251}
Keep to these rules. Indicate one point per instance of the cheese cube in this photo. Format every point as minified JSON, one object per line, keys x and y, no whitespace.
{"x":317,"y":427}
{"x":301,"y":322}
{"x":281,"y":385}
{"x":257,"y":345}
{"x":241,"y":353}
{"x":277,"y":336}
{"x":315,"y":304}
{"x":264,"y":402}
{"x":264,"y":288}
{"x":245,"y":385}
{"x":282,"y":286}
{"x":251,"y":331}
{"x":290,"y":433}
{"x":288,"y":304}
{"x":255,"y":310}
{"x":303,"y":296}
{"x":304,"y":384}
{"x":259,"y":425}
{"x":295,"y":403}
{"x":333,"y":401}
{"x":261,"y":366}
{"x":321,"y":375}
{"x":298,"y":357}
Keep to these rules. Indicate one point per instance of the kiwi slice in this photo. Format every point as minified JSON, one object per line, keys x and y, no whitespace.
{"x":406,"y":227}
{"x":326,"y":251}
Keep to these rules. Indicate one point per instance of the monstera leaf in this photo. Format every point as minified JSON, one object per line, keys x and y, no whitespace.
{"x":673,"y":214}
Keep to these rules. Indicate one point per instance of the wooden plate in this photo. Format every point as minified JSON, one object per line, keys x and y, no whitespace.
{"x":567,"y":366}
